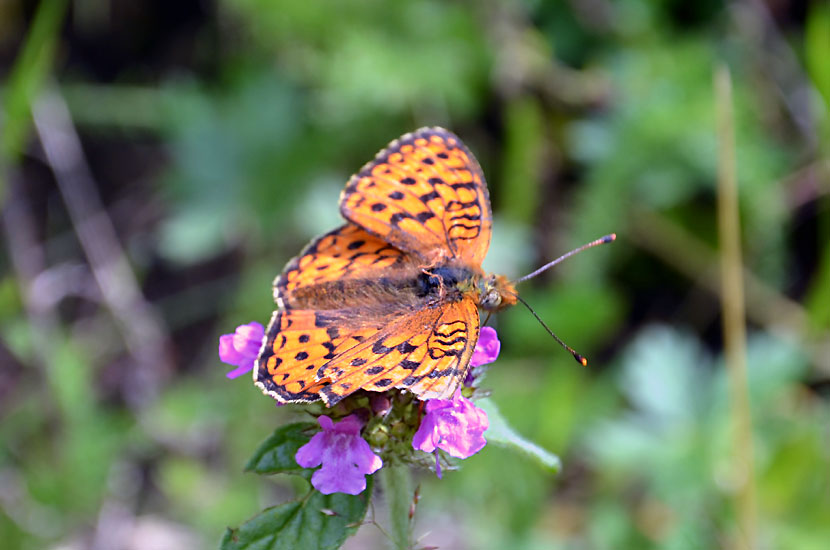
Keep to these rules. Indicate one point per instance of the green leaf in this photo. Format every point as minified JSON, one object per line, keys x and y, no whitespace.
{"x":816,"y":40}
{"x":501,"y":433}
{"x":276,"y":454}
{"x":27,"y":77}
{"x":317,"y":522}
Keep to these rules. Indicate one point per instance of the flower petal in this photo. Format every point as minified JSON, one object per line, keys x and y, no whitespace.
{"x":345,"y":456}
{"x":453,"y":425}
{"x":241,"y":348}
{"x":325,"y":423}
{"x":239,"y":371}
{"x":227,"y":353}
{"x":424,"y":438}
{"x":310,"y":455}
{"x":362,"y":456}
{"x":487,"y":348}
{"x":338,"y":480}
{"x":349,"y":425}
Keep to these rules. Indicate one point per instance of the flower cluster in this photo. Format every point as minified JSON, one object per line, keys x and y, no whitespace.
{"x":455,"y":426}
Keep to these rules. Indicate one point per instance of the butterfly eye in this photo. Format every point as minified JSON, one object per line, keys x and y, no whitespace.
{"x":491,"y":299}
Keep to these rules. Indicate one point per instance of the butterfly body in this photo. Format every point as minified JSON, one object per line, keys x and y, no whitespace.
{"x":391,"y":298}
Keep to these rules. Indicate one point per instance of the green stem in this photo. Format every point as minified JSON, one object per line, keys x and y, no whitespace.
{"x":397,"y":487}
{"x":734,"y":315}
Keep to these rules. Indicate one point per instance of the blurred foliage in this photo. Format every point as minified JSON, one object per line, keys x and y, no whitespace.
{"x":219,"y":135}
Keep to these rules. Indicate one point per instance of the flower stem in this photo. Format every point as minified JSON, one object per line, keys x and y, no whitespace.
{"x":397,"y":487}
{"x":734,"y":323}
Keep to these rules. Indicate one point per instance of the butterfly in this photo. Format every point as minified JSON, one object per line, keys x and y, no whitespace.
{"x":391,"y":298}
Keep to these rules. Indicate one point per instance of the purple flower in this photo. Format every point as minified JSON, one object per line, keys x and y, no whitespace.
{"x":241,"y":348}
{"x":487,"y":347}
{"x":487,"y":351}
{"x":345,"y":456}
{"x":454,"y":425}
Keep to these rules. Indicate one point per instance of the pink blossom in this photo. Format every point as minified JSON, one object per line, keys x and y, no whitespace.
{"x":241,"y":348}
{"x":345,"y":456}
{"x":453,"y":425}
{"x":487,"y":347}
{"x":486,"y":351}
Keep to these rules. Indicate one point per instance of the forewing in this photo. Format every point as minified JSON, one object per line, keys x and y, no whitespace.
{"x":426,"y":351}
{"x":345,"y":253}
{"x":424,"y":194}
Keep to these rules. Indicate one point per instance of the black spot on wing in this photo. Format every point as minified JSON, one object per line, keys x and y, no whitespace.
{"x":432,"y":195}
{"x":396,"y":218}
{"x":330,"y":347}
{"x":409,"y":365}
{"x":449,"y":371}
{"x":410,"y":380}
{"x":379,"y":349}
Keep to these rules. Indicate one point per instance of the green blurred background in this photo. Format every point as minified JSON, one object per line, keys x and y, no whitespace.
{"x":161,"y":161}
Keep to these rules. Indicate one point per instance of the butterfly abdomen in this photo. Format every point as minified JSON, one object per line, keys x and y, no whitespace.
{"x":448,"y":282}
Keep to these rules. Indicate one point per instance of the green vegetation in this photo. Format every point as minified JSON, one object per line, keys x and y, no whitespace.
{"x":217,"y":136}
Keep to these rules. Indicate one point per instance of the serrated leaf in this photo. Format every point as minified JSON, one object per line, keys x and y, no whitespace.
{"x":316,"y":522}
{"x":276,"y":454}
{"x":501,"y":433}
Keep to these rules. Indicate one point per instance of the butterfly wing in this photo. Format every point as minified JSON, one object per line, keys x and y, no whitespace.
{"x":331,"y":354}
{"x":426,"y":351}
{"x":424,"y":194}
{"x":298,"y":343}
{"x":348,"y":252}
{"x":317,"y":315}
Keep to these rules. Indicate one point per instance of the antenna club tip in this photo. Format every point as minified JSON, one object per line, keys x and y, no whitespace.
{"x":609,"y":238}
{"x":581,"y":360}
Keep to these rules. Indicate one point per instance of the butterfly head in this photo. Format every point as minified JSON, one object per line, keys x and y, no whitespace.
{"x":495,"y":293}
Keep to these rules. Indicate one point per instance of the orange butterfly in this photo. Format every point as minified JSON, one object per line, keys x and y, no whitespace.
{"x":391,"y":298}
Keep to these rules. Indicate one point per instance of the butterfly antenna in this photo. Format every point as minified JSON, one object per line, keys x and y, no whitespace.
{"x":601,"y":240}
{"x":579,"y":359}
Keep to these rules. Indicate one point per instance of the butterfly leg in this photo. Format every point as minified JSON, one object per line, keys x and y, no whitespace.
{"x":439,"y":278}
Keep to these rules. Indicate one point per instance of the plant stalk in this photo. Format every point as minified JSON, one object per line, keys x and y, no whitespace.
{"x":397,"y":489}
{"x":734,"y":324}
